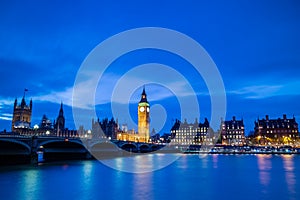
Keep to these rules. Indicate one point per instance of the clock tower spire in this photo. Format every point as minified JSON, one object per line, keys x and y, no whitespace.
{"x":143,"y":117}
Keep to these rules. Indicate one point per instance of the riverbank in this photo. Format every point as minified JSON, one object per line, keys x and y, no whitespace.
{"x":107,"y":154}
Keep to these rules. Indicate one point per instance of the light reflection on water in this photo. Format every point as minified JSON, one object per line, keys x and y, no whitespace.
{"x":30,"y":183}
{"x":215,"y":161}
{"x":87,"y":178}
{"x":141,"y":163}
{"x":142,"y":186}
{"x":190,"y":177}
{"x":288,"y":164}
{"x":264,"y":166}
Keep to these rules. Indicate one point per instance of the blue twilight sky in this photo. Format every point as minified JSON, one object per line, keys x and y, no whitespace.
{"x":255,"y":45}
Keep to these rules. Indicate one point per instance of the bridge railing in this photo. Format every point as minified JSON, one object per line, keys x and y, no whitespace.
{"x":39,"y":136}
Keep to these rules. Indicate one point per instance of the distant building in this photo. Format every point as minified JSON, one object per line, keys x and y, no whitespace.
{"x":21,"y":121}
{"x":191,"y":133}
{"x":233,"y":132}
{"x":46,"y":126}
{"x":276,"y":131}
{"x":46,"y":123}
{"x":144,"y":118}
{"x":60,"y":120}
{"x":60,"y":129}
{"x":143,"y":134}
{"x":105,"y":128}
{"x":124,"y":128}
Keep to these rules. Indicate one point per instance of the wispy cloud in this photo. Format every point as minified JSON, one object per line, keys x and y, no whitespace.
{"x":7,"y":114}
{"x":257,"y":91}
{"x":265,"y":91}
{"x":4,"y":106}
{"x":123,"y":89}
{"x":6,"y":118}
{"x":5,"y":102}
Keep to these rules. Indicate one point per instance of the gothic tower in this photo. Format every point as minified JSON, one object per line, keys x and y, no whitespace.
{"x":60,"y":120}
{"x":21,"y":120}
{"x":143,"y":117}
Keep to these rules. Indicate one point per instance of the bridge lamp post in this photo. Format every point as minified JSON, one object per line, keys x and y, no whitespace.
{"x":35,"y":128}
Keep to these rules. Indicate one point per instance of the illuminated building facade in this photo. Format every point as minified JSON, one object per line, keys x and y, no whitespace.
{"x":191,"y":133}
{"x":276,"y":131}
{"x":233,"y":132}
{"x":143,"y":118}
{"x":21,"y":121}
{"x":143,"y":134}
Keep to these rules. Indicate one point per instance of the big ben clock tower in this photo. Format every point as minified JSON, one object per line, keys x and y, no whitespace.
{"x":143,"y":118}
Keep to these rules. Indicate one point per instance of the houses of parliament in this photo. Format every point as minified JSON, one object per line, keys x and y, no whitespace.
{"x":22,"y":115}
{"x":113,"y":131}
{"x":21,"y":122}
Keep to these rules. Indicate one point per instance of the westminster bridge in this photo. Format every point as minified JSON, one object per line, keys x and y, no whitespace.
{"x":18,"y":148}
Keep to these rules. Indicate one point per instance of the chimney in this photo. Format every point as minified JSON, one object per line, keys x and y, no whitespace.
{"x":233,"y":118}
{"x":267,"y":117}
{"x":284,"y":116}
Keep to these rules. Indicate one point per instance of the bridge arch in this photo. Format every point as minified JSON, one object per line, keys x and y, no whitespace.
{"x":131,"y":147}
{"x":144,"y":148}
{"x":43,"y":143}
{"x":12,"y":141}
{"x":103,"y":145}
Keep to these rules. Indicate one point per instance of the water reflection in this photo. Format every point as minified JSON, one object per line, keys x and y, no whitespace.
{"x":87,"y":176}
{"x":215,"y":161}
{"x":141,"y":163}
{"x":288,"y":164}
{"x":204,"y":159}
{"x":142,"y":186}
{"x":257,"y":177}
{"x":264,"y":166}
{"x":31,"y":184}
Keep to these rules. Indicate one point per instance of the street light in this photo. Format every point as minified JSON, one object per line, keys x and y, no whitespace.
{"x":35,"y":128}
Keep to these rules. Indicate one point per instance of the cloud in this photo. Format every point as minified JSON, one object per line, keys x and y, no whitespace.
{"x":64,"y":96}
{"x":6,"y":118}
{"x":5,"y":102}
{"x":7,"y":114}
{"x":5,"y":107}
{"x":266,"y":91}
{"x":257,"y":91}
{"x":124,"y":93}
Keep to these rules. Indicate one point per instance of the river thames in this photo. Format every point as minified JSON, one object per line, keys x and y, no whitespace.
{"x":189,"y":177}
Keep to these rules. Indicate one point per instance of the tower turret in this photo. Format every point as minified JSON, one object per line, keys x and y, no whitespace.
{"x":60,"y":120}
{"x":21,"y":120}
{"x":143,"y":117}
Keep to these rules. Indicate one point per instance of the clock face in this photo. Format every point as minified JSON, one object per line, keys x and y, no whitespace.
{"x":148,"y":109}
{"x":142,"y":109}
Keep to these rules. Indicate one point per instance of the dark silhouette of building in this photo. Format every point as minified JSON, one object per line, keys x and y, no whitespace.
{"x":60,"y":129}
{"x":21,"y":121}
{"x":276,"y":131}
{"x":60,"y":120}
{"x":105,"y":128}
{"x":46,"y":124}
{"x":233,"y":132}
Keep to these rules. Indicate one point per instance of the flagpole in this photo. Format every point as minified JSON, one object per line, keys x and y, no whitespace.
{"x":25,"y":90}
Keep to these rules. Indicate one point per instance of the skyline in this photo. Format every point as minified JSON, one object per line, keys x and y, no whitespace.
{"x":254,"y":45}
